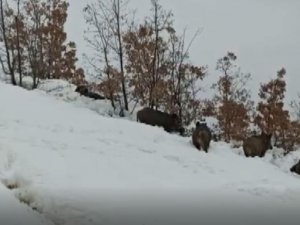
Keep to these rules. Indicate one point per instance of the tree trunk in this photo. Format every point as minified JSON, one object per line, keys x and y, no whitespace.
{"x":154,"y":63}
{"x":9,"y":63}
{"x":18,"y":49}
{"x":120,"y":47}
{"x":111,"y":96}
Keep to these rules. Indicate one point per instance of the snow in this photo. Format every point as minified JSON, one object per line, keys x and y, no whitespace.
{"x":75,"y":166}
{"x":12,"y":212}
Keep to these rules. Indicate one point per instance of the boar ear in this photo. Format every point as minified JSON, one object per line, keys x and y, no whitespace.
{"x":197,"y":124}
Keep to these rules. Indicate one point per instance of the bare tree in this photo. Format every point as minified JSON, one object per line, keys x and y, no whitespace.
{"x":184,"y":79}
{"x":107,"y":19}
{"x":119,"y":47}
{"x":7,"y":60}
{"x":19,"y":23}
{"x":161,"y":21}
{"x":99,"y":39}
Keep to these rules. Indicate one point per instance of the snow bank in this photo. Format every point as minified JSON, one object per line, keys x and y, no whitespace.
{"x":12,"y":212}
{"x":62,"y":90}
{"x":77,"y":167}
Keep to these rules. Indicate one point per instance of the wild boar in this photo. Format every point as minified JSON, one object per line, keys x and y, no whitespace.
{"x":201,"y":136}
{"x":170,"y":122}
{"x":94,"y":96}
{"x":82,"y":90}
{"x":296,"y":168}
{"x":257,"y":145}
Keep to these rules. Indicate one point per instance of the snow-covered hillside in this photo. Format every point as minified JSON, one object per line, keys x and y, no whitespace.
{"x":14,"y":213}
{"x":75,"y":166}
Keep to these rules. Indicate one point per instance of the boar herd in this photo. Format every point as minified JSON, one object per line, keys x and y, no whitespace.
{"x":256,"y":145}
{"x":253,"y":146}
{"x":171,"y":123}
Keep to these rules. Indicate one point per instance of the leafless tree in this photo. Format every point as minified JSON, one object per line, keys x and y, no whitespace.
{"x":161,"y":21}
{"x":184,"y":77}
{"x":18,"y":24}
{"x":107,"y":20}
{"x":7,"y":59}
{"x":99,"y":39}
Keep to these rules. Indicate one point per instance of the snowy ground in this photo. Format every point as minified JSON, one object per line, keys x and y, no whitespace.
{"x":12,"y":212}
{"x":77,"y":167}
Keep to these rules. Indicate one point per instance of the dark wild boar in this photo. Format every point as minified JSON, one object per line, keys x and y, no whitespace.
{"x":201,"y":136}
{"x":94,"y":96}
{"x":83,"y":90}
{"x":296,"y":168}
{"x":170,"y":122}
{"x":257,"y":145}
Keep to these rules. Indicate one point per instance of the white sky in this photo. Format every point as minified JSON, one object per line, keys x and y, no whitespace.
{"x":265,"y":34}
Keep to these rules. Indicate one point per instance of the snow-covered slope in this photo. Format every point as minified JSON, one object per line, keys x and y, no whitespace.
{"x":12,"y":212}
{"x":75,"y":166}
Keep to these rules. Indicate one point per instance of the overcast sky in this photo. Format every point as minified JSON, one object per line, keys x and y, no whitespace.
{"x":265,"y":34}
